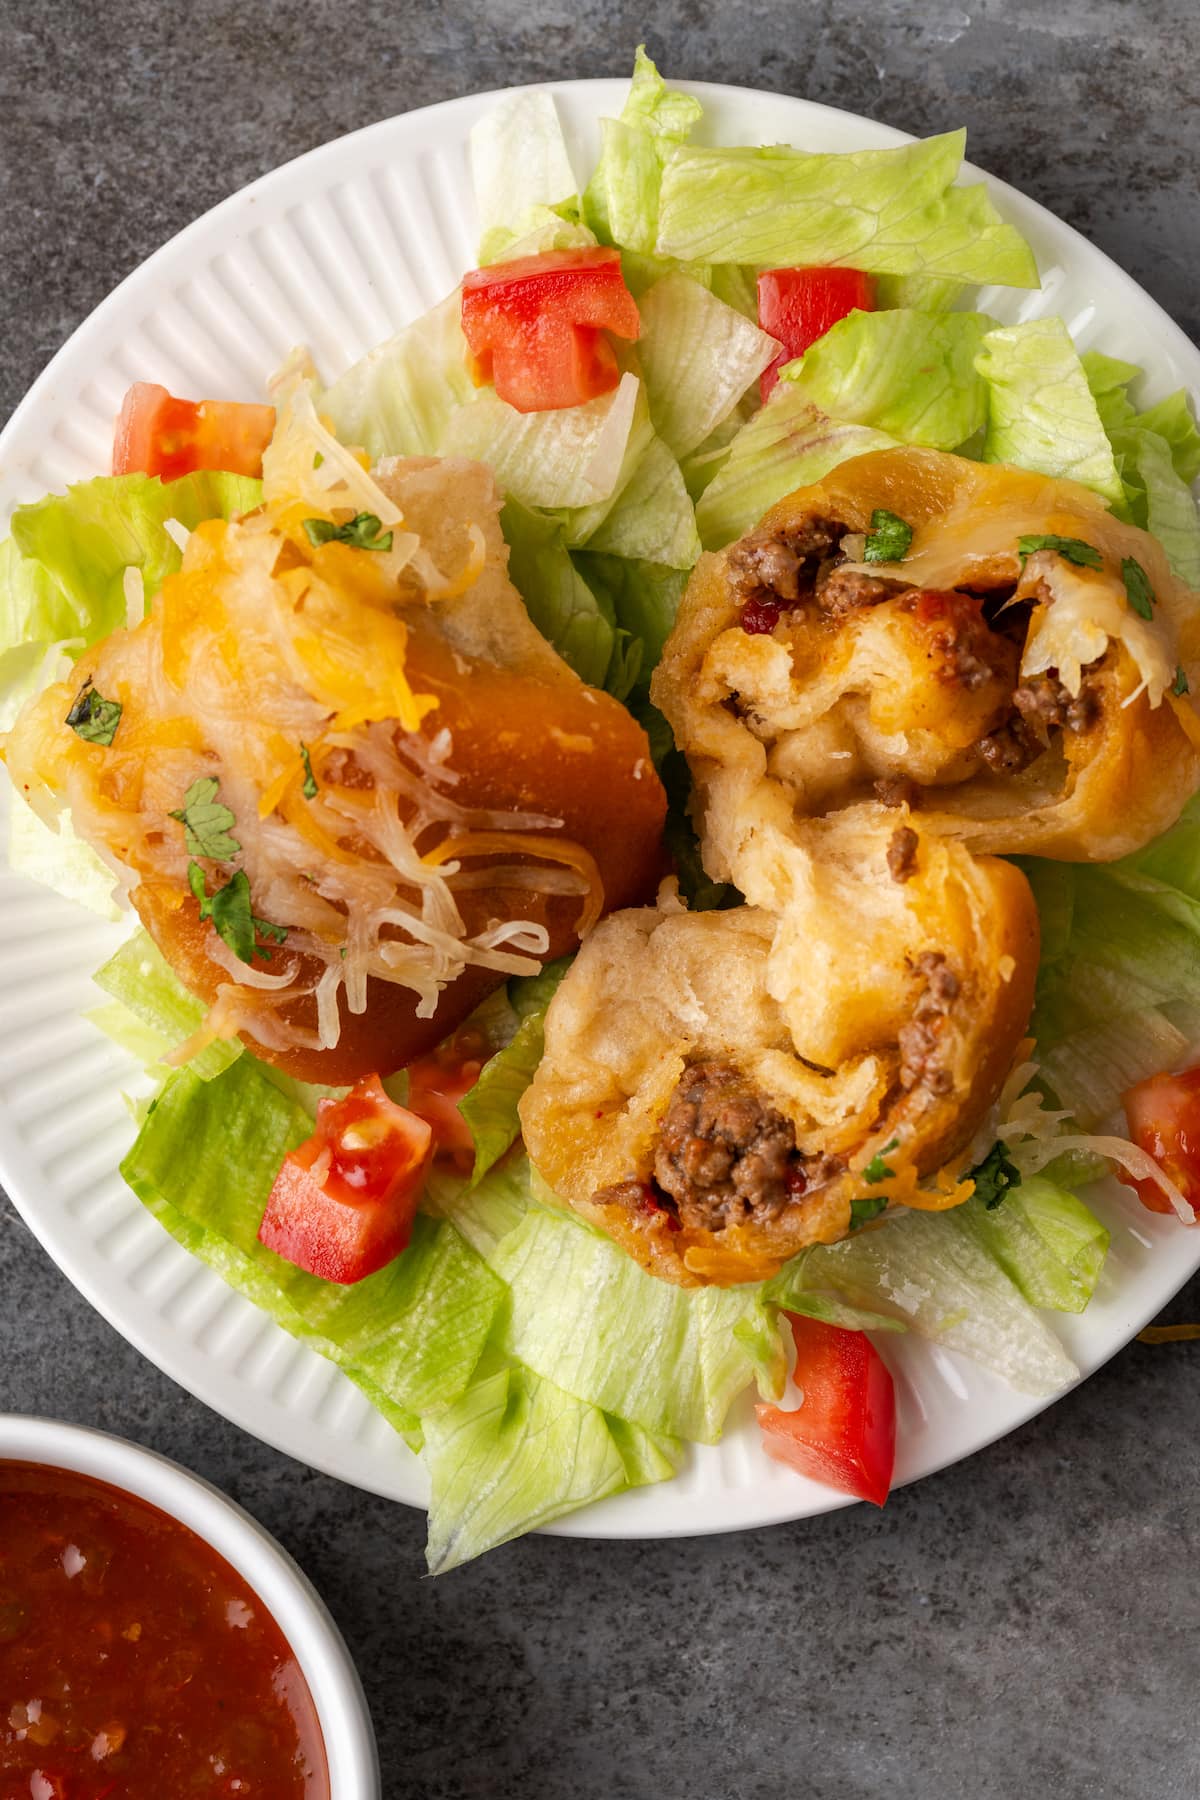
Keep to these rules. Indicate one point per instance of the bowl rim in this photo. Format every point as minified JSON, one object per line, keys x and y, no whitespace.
{"x":248,"y":1547}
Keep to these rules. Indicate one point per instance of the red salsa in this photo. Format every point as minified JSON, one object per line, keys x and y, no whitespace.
{"x":134,"y":1661}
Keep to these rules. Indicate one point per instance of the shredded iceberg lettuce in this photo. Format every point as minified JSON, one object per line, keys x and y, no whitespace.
{"x":908,"y":373}
{"x":577,"y":620}
{"x":786,"y":445}
{"x":931,"y":1271}
{"x":698,"y":357}
{"x":516,"y":1452}
{"x":204,"y":1163}
{"x":653,"y":519}
{"x":520,"y":170}
{"x":621,"y":202}
{"x":490,"y":1107}
{"x":1042,"y":414}
{"x":399,"y":398}
{"x":62,"y":572}
{"x":892,"y":212}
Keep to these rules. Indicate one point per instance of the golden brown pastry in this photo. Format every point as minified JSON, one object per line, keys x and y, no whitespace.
{"x":409,"y":795}
{"x":715,"y":1085}
{"x":1015,"y":701}
{"x":719,"y":1091}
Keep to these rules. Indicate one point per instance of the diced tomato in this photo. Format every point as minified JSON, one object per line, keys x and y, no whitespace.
{"x":344,"y":1200}
{"x":159,"y":435}
{"x":798,"y":306}
{"x":437,"y":1082}
{"x":535,"y":326}
{"x":844,"y":1431}
{"x":1164,"y":1121}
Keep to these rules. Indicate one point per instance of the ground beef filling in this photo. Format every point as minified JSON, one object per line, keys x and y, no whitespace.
{"x":840,"y":591}
{"x":922,"y":1050}
{"x":1041,"y":707}
{"x":724,"y":1157}
{"x":773,"y":571}
{"x":902,"y":853}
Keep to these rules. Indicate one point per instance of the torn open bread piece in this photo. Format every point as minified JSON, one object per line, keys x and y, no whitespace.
{"x":721,"y":1089}
{"x":349,"y":787}
{"x":1016,"y":676}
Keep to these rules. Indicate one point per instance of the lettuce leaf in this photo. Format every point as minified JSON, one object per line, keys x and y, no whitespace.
{"x":931,"y":1271}
{"x":643,"y":596}
{"x":888,"y":211}
{"x":516,"y":1452}
{"x":399,"y":398}
{"x":579,"y":623}
{"x":1158,"y":455}
{"x":911,"y":374}
{"x":570,"y":458}
{"x":62,"y":573}
{"x":1118,"y":994}
{"x":698,"y":356}
{"x":204,"y":1163}
{"x":139,"y":976}
{"x":621,"y":201}
{"x":584,"y":1315}
{"x":60,"y":860}
{"x":1046,"y":1240}
{"x":542,"y":228}
{"x":789,"y":443}
{"x":923,"y":293}
{"x":490,"y":1107}
{"x":1163,"y":501}
{"x":670,"y":1359}
{"x":520,"y":168}
{"x":653,"y":519}
{"x":1042,"y":414}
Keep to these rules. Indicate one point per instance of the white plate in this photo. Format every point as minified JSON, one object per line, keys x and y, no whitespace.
{"x":337,"y":250}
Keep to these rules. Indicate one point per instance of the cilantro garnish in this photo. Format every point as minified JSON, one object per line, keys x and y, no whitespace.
{"x":994,"y":1176}
{"x":1138,"y":591}
{"x":206,"y":821}
{"x":232,"y":919}
{"x":877,"y":1170}
{"x":888,"y":539}
{"x":363,"y":532}
{"x":1180,"y":683}
{"x":1073,"y":550}
{"x":863,"y":1211}
{"x":92,"y":717}
{"x":310,"y":781}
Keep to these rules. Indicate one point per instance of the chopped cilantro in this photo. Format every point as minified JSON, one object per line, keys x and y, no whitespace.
{"x":310,"y":780}
{"x":1138,"y":591}
{"x":363,"y":532}
{"x":232,"y":919}
{"x":863,"y":1211}
{"x":93,"y":718}
{"x":1180,"y":683}
{"x":206,"y":821}
{"x":994,"y":1176}
{"x":888,"y":539}
{"x":1073,"y":550}
{"x":877,"y":1170}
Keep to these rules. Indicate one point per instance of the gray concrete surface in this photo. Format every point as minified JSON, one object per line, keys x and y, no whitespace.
{"x":1025,"y":1624}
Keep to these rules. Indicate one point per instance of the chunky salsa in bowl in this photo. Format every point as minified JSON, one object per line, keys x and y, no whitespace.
{"x":140,"y":1654}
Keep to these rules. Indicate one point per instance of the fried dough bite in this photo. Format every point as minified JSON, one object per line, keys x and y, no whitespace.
{"x":719,"y":1088}
{"x":351,"y":788}
{"x":1000,"y":679}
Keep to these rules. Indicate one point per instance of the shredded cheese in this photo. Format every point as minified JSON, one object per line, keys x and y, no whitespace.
{"x":260,"y":645}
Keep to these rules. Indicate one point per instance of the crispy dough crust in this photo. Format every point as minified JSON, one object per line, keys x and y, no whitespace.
{"x":806,"y":991}
{"x":1101,"y":794}
{"x":656,"y":990}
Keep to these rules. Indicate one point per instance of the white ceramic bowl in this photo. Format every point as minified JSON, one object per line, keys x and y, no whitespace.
{"x":286,"y":1591}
